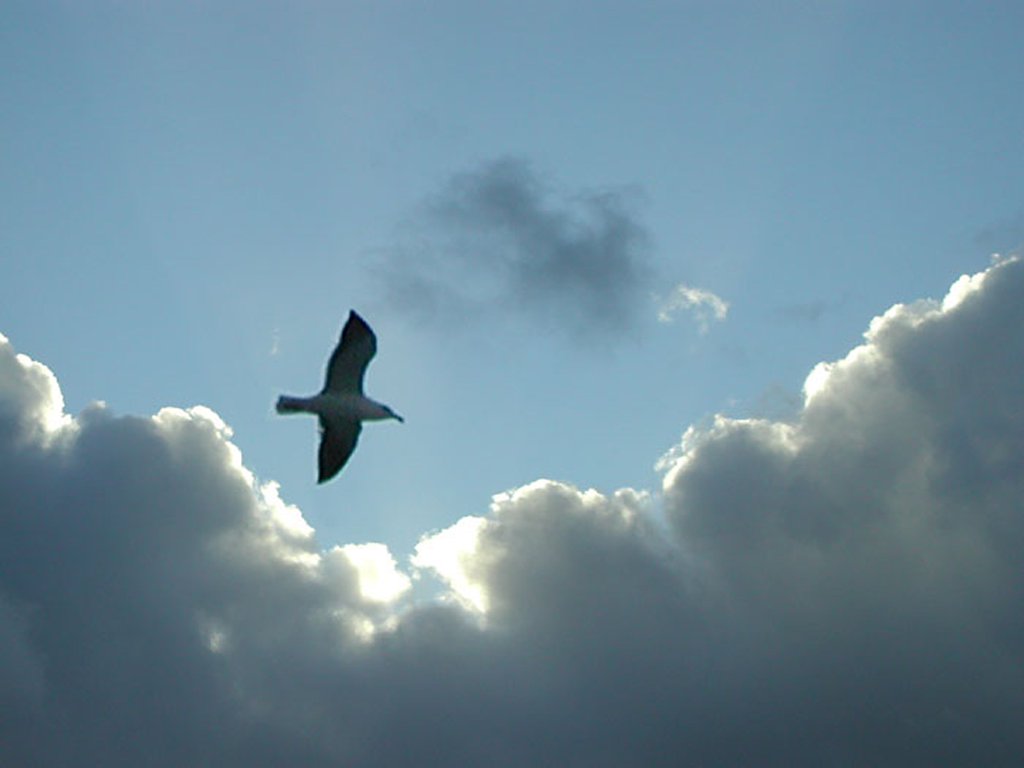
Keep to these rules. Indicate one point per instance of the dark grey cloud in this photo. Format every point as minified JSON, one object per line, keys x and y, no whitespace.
{"x":841,"y":588}
{"x":501,"y":240}
{"x":875,"y":539}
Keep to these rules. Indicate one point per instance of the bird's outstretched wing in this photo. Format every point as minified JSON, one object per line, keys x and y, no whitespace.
{"x":337,"y":441}
{"x":354,"y":352}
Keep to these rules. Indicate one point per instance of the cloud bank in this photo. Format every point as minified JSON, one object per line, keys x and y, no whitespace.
{"x":841,"y":589}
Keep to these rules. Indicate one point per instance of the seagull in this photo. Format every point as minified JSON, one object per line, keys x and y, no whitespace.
{"x":341,"y":404}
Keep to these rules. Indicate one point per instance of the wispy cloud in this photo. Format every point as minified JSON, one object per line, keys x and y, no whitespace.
{"x":500,"y":239}
{"x":702,"y":304}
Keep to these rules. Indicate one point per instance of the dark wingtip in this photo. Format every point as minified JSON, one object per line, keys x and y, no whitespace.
{"x":354,"y":327}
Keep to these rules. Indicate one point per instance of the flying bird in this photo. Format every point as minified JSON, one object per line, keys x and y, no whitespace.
{"x":341,"y":404}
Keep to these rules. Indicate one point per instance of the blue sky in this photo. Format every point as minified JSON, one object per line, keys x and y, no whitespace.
{"x":190,"y":187}
{"x":195,"y":194}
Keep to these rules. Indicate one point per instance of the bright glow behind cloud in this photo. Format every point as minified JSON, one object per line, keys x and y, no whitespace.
{"x":448,"y":553}
{"x":379,"y":579}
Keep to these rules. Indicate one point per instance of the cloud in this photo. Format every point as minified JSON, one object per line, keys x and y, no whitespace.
{"x":499,"y":239}
{"x":704,"y":305}
{"x":840,"y":588}
{"x":379,"y":578}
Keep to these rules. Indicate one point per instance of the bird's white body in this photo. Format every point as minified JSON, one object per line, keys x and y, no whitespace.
{"x":340,"y":405}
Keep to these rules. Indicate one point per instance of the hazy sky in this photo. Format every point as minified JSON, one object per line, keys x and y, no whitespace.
{"x":703,"y":456}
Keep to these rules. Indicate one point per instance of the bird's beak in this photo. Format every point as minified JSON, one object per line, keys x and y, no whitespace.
{"x":399,"y":418}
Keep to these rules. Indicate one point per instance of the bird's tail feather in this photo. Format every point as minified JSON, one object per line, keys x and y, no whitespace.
{"x":287,"y":404}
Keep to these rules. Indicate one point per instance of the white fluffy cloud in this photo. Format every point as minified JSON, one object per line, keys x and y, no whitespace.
{"x":840,"y":589}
